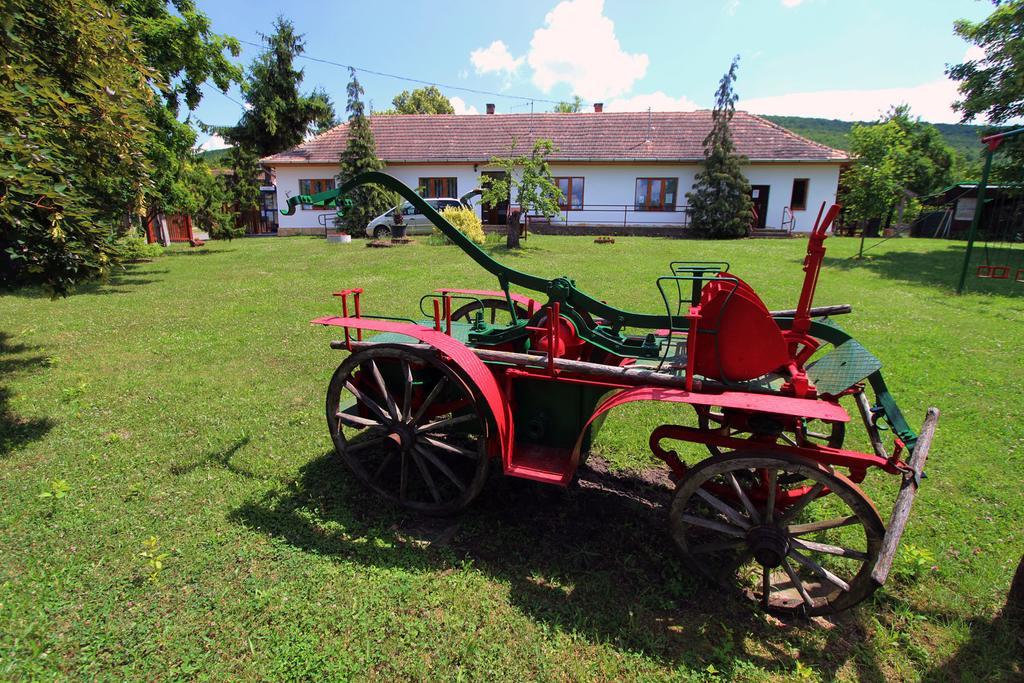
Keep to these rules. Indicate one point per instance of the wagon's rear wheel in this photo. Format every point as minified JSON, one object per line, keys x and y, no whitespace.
{"x":409,"y":427}
{"x":802,"y":548}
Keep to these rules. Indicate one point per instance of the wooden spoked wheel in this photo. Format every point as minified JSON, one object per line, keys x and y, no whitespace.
{"x":409,"y":427}
{"x":807,"y":548}
{"x":806,"y":432}
{"x":494,"y":310}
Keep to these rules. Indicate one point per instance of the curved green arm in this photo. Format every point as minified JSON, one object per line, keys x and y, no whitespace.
{"x":562,"y":289}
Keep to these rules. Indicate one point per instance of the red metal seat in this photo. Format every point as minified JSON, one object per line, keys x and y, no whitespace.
{"x":737,"y":339}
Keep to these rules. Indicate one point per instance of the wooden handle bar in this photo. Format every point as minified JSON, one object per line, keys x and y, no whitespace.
{"x":629,"y":375}
{"x":905,"y":498}
{"x":816,"y":312}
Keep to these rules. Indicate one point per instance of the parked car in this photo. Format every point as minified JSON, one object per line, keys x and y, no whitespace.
{"x":416,"y":223}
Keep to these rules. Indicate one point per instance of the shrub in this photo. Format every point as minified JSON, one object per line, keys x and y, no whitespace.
{"x":466,"y":221}
{"x":133,"y":247}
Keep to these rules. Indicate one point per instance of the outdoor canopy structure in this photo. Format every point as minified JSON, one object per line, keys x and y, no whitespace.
{"x":992,"y":143}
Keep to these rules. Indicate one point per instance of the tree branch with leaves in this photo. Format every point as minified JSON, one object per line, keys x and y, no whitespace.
{"x":527,"y":178}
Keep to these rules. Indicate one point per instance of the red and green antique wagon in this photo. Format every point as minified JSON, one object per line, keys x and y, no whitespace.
{"x":421,"y":409}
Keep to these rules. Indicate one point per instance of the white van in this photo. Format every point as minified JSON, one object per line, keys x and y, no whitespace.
{"x":416,"y":223}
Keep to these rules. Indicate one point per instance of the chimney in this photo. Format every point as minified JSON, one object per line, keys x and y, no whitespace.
{"x":598,"y":107}
{"x":490,"y":108}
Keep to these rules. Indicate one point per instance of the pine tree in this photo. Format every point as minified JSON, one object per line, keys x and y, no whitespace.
{"x":279,"y":116}
{"x":720,"y":201}
{"x":360,"y":155}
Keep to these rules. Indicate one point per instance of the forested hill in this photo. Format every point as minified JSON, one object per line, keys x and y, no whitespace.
{"x":963,"y":138}
{"x":219,"y":157}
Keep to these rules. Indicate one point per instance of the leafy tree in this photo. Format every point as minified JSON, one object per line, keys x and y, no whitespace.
{"x":896,"y":155}
{"x":244,"y":186}
{"x":207,"y":199}
{"x":876,"y":182}
{"x":931,"y":159}
{"x":720,"y":202}
{"x":529,"y":179}
{"x":993,"y":87}
{"x":359,"y":156}
{"x":73,"y":103}
{"x":183,"y":53}
{"x":574,"y":107}
{"x":427,"y":100}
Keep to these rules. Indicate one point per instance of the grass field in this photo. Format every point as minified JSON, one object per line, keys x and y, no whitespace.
{"x":170,"y":508}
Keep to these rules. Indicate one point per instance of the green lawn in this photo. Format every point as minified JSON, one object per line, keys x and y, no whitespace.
{"x":183,"y":400}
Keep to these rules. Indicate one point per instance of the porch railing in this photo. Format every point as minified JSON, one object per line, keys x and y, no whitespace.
{"x":626,"y":214}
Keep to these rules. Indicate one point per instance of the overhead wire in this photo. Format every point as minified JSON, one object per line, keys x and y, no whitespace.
{"x":410,"y":79}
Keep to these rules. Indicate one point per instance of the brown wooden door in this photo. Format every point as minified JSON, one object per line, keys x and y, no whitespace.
{"x":179,"y":227}
{"x":494,"y":215}
{"x":759,"y":193}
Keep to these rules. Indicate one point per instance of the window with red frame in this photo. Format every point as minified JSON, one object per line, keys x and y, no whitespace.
{"x":656,"y":194}
{"x":439,"y":187}
{"x":572,"y":192}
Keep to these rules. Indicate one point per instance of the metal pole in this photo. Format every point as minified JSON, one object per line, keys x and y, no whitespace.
{"x":977,"y":217}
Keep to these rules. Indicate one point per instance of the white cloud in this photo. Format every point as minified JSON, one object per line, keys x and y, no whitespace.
{"x":578,"y":46}
{"x":656,"y":101}
{"x":931,"y":101}
{"x":460,"y":106}
{"x":495,"y":58}
{"x":463,"y":74}
{"x":213,"y":142}
{"x":791,"y":3}
{"x":731,"y":6}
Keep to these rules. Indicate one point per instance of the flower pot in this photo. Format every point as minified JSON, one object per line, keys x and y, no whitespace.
{"x":398,"y":231}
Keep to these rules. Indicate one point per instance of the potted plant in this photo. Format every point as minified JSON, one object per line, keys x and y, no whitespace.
{"x":398,"y":231}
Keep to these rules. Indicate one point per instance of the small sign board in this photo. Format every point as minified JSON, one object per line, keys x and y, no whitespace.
{"x":965,"y":208}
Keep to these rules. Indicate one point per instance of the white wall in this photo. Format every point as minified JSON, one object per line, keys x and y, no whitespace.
{"x":822,"y":187}
{"x":616,"y":184}
{"x":604,"y":184}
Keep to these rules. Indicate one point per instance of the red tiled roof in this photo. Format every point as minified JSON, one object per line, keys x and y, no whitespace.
{"x":606,"y":136}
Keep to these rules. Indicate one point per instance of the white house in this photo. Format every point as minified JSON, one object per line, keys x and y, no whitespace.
{"x":629,"y":170}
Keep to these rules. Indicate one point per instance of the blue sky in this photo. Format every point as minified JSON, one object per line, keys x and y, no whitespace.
{"x":847,"y":59}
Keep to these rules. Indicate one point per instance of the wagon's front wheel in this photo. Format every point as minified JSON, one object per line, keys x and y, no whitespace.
{"x":409,"y":427}
{"x":798,"y":537}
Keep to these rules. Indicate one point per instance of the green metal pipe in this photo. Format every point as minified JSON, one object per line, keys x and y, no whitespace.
{"x":979,"y":203}
{"x":557,"y":289}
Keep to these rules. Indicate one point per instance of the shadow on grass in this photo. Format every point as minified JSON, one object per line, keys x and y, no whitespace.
{"x":938,"y":268}
{"x":221,"y":458}
{"x":499,"y":250}
{"x":118,"y":283}
{"x":595,"y":560}
{"x":201,"y":251}
{"x":15,"y":430}
{"x":995,"y":648}
{"x":994,"y":651}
